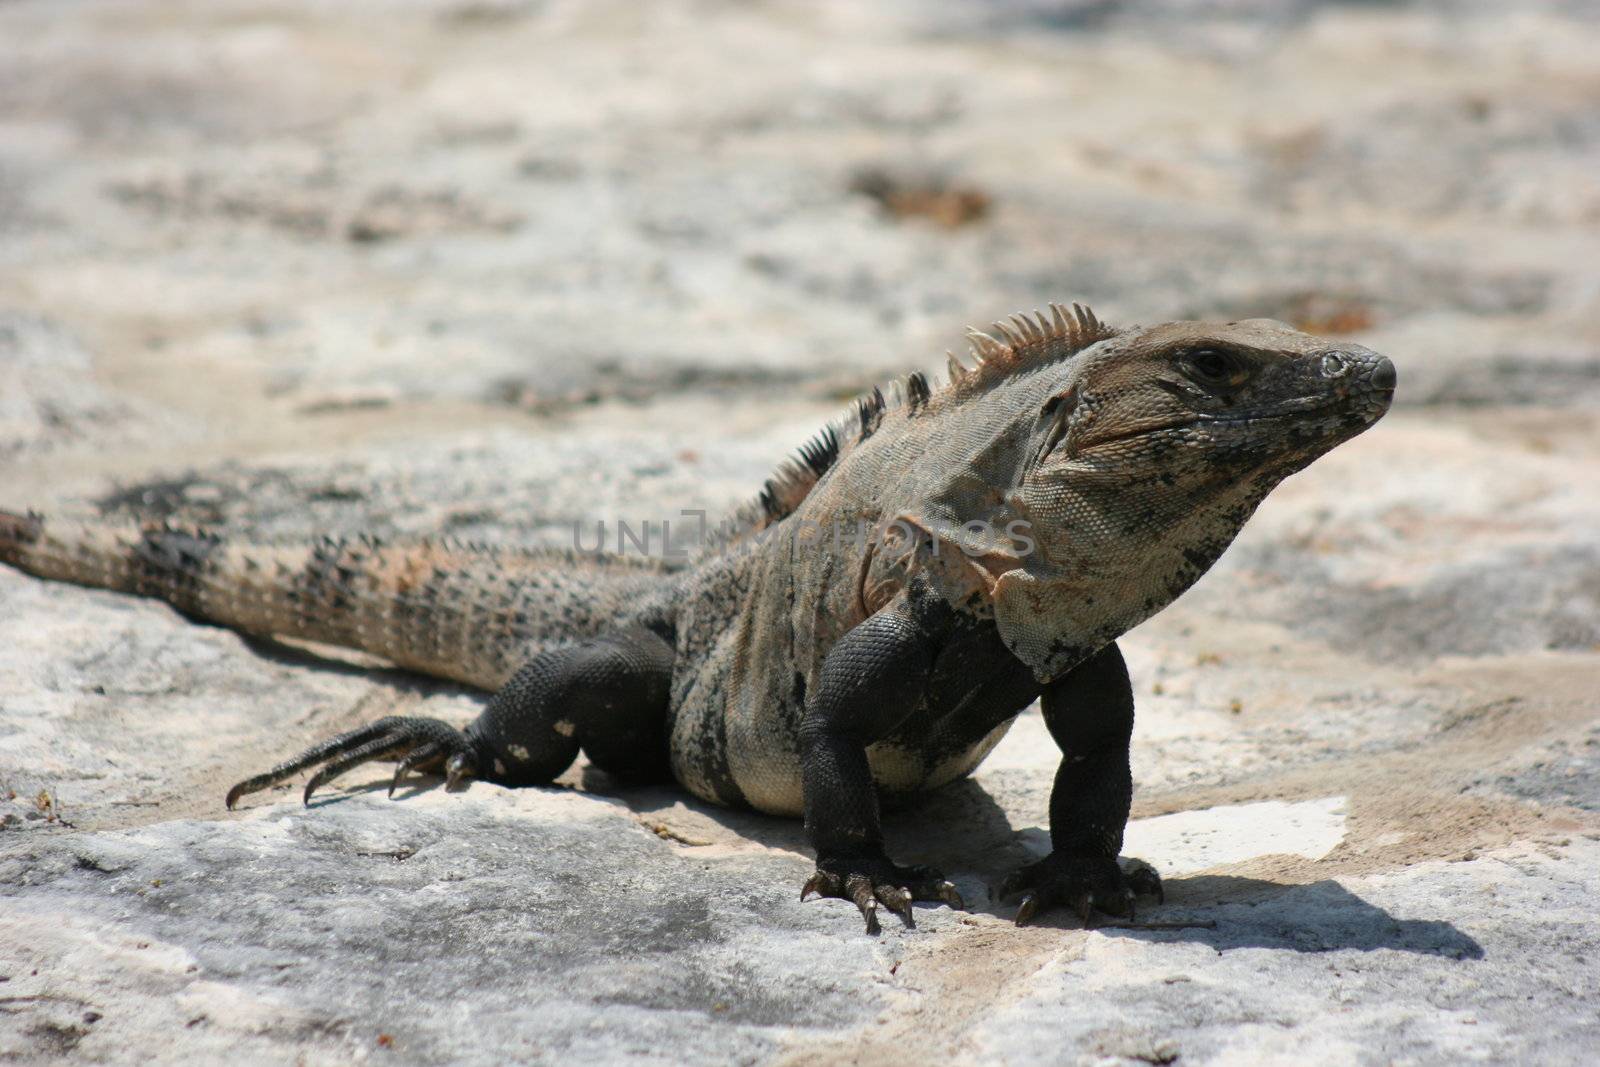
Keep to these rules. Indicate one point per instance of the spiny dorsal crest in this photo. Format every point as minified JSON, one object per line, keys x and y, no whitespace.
{"x":1022,"y":345}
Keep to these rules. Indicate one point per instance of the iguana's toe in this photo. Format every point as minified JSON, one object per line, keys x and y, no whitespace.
{"x":1086,"y":884}
{"x":1143,"y":879}
{"x":414,"y":741}
{"x":871,"y":880}
{"x":423,"y":755}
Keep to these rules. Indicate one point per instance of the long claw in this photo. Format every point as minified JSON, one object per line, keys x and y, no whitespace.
{"x":859,"y":889}
{"x":1029,"y":908}
{"x":382,"y":748}
{"x":871,"y":880}
{"x":424,"y":753}
{"x":458,"y":769}
{"x":898,"y":900}
{"x":1083,"y":882}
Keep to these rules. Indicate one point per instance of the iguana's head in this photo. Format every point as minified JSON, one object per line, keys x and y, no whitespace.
{"x":1200,"y":404}
{"x":1149,"y":450}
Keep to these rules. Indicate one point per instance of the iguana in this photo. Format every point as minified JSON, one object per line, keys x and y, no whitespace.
{"x":916,"y":576}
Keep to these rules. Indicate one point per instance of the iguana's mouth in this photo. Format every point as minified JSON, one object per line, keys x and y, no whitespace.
{"x":1289,"y":410}
{"x":1272,"y":415}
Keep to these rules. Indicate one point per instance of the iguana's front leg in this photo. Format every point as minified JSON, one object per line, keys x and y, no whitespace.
{"x":1089,"y":712}
{"x":870,"y":681}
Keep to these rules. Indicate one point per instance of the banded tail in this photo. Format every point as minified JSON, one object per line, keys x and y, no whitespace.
{"x":470,"y":613}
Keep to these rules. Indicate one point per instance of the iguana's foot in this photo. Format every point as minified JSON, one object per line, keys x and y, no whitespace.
{"x":418,"y":743}
{"x":870,"y":879}
{"x":1086,"y":883}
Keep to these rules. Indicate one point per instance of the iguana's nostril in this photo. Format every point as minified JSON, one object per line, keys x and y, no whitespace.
{"x":1382,"y":376}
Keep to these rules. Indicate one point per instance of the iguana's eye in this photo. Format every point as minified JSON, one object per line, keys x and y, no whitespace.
{"x":1213,"y":367}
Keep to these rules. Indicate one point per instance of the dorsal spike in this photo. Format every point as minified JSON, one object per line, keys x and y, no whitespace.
{"x":1025,"y":328}
{"x":984,"y":347}
{"x":869,"y":413}
{"x":768,"y":498}
{"x":819,"y":453}
{"x":957,"y":369}
{"x":916,"y":390}
{"x":1013,"y":339}
{"x":1058,"y":319}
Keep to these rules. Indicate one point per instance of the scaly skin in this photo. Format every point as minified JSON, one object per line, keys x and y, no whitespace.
{"x":849,"y":633}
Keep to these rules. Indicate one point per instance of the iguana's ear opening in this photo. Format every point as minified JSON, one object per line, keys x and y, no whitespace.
{"x":1055,"y":418}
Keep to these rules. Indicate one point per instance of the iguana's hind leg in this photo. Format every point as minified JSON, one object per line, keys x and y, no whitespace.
{"x":1089,"y":712}
{"x":608,"y":696}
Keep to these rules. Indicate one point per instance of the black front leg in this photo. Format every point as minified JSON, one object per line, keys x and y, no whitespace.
{"x":870,"y":681}
{"x":1089,"y":712}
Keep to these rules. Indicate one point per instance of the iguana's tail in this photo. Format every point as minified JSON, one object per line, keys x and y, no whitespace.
{"x":467,"y":612}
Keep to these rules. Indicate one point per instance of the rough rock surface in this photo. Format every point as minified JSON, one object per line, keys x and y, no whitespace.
{"x":495,"y":267}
